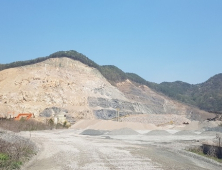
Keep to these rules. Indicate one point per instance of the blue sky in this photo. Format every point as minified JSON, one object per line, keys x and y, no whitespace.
{"x":160,"y":40}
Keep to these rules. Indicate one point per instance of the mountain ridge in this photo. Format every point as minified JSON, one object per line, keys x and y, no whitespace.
{"x":206,"y":96}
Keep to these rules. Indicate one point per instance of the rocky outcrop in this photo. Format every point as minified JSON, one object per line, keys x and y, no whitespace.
{"x":61,"y":83}
{"x":110,"y":103}
{"x":49,"y":112}
{"x":148,"y":101}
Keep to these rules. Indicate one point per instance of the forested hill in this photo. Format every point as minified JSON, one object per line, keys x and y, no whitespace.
{"x":69,"y":54}
{"x":112,"y":73}
{"x":207,"y":96}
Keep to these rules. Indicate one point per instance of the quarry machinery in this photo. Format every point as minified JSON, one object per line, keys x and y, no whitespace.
{"x":20,"y":115}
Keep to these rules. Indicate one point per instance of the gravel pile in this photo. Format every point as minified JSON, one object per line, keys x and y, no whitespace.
{"x":123,"y":131}
{"x":93,"y":132}
{"x":156,"y":119}
{"x":194,"y":125}
{"x":185,"y":132}
{"x":211,"y":133}
{"x":208,"y":133}
{"x":209,"y":124}
{"x":215,"y":129}
{"x":158,"y":132}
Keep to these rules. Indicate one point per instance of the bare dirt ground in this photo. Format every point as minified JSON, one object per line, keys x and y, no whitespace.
{"x":67,"y":150}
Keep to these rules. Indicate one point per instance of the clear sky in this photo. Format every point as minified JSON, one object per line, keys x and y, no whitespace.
{"x":160,"y":40}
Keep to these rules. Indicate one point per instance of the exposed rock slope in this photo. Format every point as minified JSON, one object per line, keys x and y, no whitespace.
{"x":60,"y":82}
{"x":81,"y":90}
{"x":152,"y":102}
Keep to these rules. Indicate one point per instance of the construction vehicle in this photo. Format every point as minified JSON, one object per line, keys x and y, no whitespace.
{"x":20,"y":115}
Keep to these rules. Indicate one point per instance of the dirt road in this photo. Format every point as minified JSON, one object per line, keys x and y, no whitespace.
{"x":67,"y":150}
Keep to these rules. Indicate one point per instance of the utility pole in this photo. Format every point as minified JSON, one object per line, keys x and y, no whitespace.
{"x":219,"y":138}
{"x":117,"y":114}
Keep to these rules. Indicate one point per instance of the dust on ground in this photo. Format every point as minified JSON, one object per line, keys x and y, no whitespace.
{"x":71,"y":149}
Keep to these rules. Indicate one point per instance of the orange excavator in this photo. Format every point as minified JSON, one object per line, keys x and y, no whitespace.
{"x":27,"y":115}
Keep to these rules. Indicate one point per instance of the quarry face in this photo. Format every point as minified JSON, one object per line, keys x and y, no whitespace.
{"x":82,"y":91}
{"x":62,"y":83}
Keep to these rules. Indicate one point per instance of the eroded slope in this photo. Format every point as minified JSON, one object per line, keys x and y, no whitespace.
{"x":81,"y":91}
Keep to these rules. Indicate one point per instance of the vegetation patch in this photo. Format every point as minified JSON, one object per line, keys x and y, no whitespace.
{"x":14,"y":151}
{"x":23,"y":125}
{"x":29,"y":125}
{"x":209,"y":154}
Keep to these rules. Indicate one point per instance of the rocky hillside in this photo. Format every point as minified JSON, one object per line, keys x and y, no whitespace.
{"x":61,"y":83}
{"x":81,"y":91}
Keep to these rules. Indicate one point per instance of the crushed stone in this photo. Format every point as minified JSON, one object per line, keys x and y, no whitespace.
{"x":210,"y":133}
{"x":185,"y":132}
{"x":158,"y":132}
{"x":215,"y":129}
{"x":123,"y":131}
{"x":92,"y":132}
